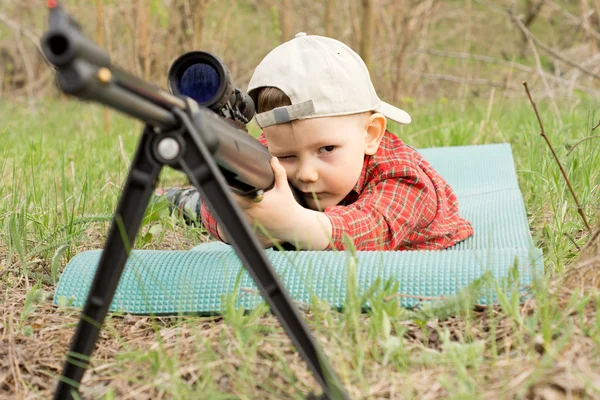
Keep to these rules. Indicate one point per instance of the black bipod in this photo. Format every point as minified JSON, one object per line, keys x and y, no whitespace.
{"x":183,"y":148}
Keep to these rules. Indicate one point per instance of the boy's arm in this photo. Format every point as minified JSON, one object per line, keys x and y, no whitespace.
{"x":215,"y":230}
{"x":312,"y":230}
{"x":210,"y":222}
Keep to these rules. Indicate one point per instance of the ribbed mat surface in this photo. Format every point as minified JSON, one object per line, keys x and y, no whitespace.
{"x":484,"y":180}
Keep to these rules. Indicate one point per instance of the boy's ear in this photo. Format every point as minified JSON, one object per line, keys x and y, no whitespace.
{"x":374,"y":128}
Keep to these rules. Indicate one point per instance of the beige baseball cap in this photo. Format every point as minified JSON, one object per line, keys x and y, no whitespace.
{"x":322,"y":77}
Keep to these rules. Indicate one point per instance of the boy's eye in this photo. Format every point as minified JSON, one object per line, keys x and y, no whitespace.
{"x":285,"y":158}
{"x":326,"y":149}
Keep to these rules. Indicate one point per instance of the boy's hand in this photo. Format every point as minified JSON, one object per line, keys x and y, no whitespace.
{"x":278,"y":213}
{"x":284,"y":218}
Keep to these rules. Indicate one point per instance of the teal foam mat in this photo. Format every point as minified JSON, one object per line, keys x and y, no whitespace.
{"x":196,"y":281}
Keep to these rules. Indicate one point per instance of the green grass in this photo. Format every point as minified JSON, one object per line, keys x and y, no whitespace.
{"x":60,"y":180}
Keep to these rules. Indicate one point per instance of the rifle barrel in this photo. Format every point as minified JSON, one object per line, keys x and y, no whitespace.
{"x":79,"y":60}
{"x":85,"y":70}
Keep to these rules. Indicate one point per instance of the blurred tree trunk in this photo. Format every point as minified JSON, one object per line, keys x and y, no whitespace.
{"x":107,"y":33}
{"x":400,"y":26}
{"x":172,"y":33}
{"x":143,"y":37}
{"x":199,"y":8}
{"x":27,"y":63}
{"x":532,"y":10}
{"x":330,"y":7}
{"x":227,"y":52}
{"x":99,"y":38}
{"x":355,"y":24}
{"x":404,"y":30}
{"x":285,"y":20}
{"x":596,"y":16}
{"x":587,"y":23}
{"x":100,"y":41}
{"x":176,"y":30}
{"x":366,"y":41}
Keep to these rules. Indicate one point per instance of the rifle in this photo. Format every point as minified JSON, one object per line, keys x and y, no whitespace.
{"x":186,"y":130}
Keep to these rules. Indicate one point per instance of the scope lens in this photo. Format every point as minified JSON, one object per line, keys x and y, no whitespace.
{"x":200,"y":82}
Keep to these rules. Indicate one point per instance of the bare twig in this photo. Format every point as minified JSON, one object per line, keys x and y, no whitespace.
{"x":423,"y":35}
{"x":562,"y":170}
{"x":473,"y":57}
{"x":403,"y":26}
{"x":37,"y":86}
{"x":28,"y":69}
{"x":593,"y":61}
{"x":581,"y":141}
{"x":591,"y":241}
{"x":20,"y":31}
{"x":458,"y":79}
{"x":34,"y":37}
{"x":579,"y":22}
{"x":504,"y":63}
{"x":597,"y":125}
{"x":572,"y":240}
{"x":538,"y":63}
{"x":548,"y":50}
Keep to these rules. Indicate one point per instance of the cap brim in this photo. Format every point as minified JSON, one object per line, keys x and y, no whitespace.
{"x":394,"y":113}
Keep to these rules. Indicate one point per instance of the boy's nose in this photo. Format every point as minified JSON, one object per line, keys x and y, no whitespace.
{"x":307,"y":173}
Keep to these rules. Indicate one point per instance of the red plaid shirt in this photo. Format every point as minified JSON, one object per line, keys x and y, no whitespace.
{"x":399,"y":203}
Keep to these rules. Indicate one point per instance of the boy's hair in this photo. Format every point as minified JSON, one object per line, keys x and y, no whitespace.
{"x":269,"y":98}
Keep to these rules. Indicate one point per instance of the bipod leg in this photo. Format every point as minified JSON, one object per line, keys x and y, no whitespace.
{"x":136,"y":193}
{"x":197,"y":162}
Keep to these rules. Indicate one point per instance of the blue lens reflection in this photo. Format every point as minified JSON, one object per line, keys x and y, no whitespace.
{"x":200,"y":82}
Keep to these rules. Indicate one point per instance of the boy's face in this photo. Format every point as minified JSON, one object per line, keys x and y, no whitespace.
{"x":321,"y":155}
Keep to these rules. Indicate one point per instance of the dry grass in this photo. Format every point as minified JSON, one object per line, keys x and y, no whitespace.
{"x":585,"y":274}
{"x":548,"y":348}
{"x":209,"y":353}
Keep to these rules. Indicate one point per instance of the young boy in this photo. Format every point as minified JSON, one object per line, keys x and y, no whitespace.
{"x":326,"y":129}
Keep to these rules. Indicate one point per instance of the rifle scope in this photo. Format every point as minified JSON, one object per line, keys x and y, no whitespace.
{"x":205,"y":78}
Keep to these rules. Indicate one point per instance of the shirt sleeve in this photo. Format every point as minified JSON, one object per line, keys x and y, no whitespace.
{"x":209,"y":222}
{"x":386,"y":213}
{"x":262,"y":139}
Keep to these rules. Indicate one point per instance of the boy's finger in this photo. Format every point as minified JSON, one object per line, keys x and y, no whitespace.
{"x":279,"y":171}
